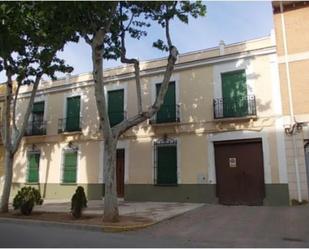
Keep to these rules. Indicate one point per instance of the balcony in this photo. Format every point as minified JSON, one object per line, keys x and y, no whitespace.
{"x":167,"y":114}
{"x":238,"y":108}
{"x":36,"y":128}
{"x":69,"y":124}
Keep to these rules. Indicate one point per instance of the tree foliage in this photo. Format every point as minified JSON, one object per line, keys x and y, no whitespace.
{"x":30,"y":38}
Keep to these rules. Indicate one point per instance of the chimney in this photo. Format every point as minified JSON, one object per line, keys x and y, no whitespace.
{"x":221,"y":47}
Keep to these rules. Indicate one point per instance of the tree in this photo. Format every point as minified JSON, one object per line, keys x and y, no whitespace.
{"x":29,"y":42}
{"x":104,"y":27}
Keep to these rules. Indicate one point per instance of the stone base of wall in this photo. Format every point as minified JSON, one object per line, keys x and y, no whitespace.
{"x":276,"y":194}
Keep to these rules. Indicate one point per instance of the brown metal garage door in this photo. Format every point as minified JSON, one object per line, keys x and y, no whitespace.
{"x":239,"y":172}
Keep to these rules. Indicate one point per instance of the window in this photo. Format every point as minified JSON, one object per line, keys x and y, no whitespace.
{"x":167,"y":112}
{"x":115,"y":106}
{"x":69,"y":166}
{"x":72,"y":122}
{"x":37,"y":125}
{"x":234,"y":94}
{"x":166,"y":163}
{"x":33,"y":167}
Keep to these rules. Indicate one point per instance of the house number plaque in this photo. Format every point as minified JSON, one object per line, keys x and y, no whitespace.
{"x":232,"y":162}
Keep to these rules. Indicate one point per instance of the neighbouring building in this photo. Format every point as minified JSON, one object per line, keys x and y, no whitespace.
{"x":291,"y":22}
{"x":219,"y":136}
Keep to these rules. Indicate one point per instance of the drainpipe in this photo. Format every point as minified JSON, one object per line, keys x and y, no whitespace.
{"x":292,"y":117}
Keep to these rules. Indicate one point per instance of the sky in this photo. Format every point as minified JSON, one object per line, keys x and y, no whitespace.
{"x":230,"y":21}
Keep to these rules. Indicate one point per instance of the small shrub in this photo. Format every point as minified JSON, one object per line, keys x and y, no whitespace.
{"x":78,"y":202}
{"x":25,"y":200}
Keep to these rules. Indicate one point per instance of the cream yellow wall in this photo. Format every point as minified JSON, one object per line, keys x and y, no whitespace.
{"x":196,"y":93}
{"x":193,"y":159}
{"x":297,"y":22}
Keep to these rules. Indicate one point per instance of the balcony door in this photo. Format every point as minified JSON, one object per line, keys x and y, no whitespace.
{"x":37,"y":118}
{"x":234,"y":93}
{"x":73,"y":114}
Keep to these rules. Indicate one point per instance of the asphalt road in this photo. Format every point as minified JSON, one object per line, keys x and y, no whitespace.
{"x":209,"y":226}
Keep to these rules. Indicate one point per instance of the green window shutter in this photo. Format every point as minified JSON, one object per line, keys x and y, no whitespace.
{"x":37,"y":118}
{"x":234,"y":93}
{"x":167,"y":112}
{"x":167,"y":165}
{"x":38,"y":107}
{"x":33,"y":170}
{"x":70,"y":167}
{"x":115,"y":106}
{"x":73,"y":114}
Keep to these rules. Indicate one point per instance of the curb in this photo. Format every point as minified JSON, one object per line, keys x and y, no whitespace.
{"x":101,"y":228}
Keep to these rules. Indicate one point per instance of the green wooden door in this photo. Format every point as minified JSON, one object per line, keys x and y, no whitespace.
{"x":73,"y":114}
{"x":69,"y":167}
{"x":234,"y":93}
{"x":115,"y":106}
{"x":37,"y":118}
{"x":167,"y":165}
{"x":167,"y":112}
{"x":33,"y":170}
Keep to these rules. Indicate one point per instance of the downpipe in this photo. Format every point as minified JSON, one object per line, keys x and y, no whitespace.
{"x":294,"y":126}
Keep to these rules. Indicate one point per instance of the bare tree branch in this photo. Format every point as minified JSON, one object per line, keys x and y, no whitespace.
{"x":141,"y":117}
{"x":14,"y":107}
{"x":135,"y":62}
{"x":6,"y":133}
{"x":87,"y":39}
{"x":20,"y":133}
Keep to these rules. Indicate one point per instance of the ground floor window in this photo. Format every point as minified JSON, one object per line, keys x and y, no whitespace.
{"x":69,"y":166}
{"x":166,"y":162}
{"x":33,"y":167}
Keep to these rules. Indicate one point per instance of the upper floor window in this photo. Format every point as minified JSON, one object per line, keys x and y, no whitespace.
{"x":37,"y":124}
{"x":235,"y":101}
{"x":72,"y":120}
{"x":168,"y":111}
{"x":115,"y":106}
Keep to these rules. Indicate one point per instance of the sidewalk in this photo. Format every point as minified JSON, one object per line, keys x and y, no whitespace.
{"x":133,"y":215}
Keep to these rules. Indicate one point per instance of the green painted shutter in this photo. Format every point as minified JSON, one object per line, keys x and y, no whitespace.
{"x":33,"y":171}
{"x":38,"y":107}
{"x":115,"y":106}
{"x":167,"y":112}
{"x":37,"y":118}
{"x":69,"y":167}
{"x":234,"y":93}
{"x":166,"y":165}
{"x":73,"y":112}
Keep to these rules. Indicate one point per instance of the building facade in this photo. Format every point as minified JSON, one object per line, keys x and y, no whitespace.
{"x":218,"y":138}
{"x":291,"y":21}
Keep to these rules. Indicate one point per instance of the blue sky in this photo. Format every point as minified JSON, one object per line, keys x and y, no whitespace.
{"x":229,"y":21}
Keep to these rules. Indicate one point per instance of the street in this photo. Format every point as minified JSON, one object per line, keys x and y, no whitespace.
{"x":208,"y":226}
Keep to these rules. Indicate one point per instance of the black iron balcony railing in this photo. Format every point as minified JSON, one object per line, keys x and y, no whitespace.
{"x":69,"y":124}
{"x":35,"y":128}
{"x":167,"y":114}
{"x":229,"y":108}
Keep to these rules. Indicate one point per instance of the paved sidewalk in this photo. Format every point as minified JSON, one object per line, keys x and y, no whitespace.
{"x":157,"y":211}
